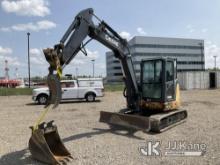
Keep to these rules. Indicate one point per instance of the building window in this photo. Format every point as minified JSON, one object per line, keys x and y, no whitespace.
{"x":116,"y":61}
{"x":168,"y":54}
{"x":191,"y":62}
{"x":185,"y":70}
{"x":167,"y":46}
{"x":117,"y":67}
{"x":118,"y":74}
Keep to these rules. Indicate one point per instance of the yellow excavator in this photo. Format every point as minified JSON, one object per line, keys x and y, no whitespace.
{"x":153,"y":104}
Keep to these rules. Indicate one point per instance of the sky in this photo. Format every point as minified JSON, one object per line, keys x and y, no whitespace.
{"x":47,"y":21}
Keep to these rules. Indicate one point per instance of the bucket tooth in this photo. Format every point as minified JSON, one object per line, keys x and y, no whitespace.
{"x":46,"y":146}
{"x":125,"y":120}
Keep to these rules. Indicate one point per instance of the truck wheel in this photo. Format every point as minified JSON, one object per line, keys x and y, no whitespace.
{"x":90,"y":97}
{"x":42,"y":99}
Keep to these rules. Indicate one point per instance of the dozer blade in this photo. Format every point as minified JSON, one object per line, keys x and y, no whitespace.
{"x":163,"y":121}
{"x":125,"y":120}
{"x":155,"y":123}
{"x":54,"y":89}
{"x":46,"y":146}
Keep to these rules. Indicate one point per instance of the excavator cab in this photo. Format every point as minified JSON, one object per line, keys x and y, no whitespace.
{"x":159,"y":84}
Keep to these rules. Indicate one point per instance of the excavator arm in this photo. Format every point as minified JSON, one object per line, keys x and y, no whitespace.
{"x":74,"y":40}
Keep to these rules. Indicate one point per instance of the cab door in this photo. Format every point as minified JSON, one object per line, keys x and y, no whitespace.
{"x":170,"y":77}
{"x":69,"y":90}
{"x":152,"y":80}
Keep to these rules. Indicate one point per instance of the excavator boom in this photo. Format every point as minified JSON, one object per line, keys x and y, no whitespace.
{"x":73,"y":41}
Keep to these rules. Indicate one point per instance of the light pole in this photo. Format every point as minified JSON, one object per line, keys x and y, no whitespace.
{"x":93,"y":67}
{"x":215,"y":61}
{"x":29,"y":74}
{"x":76,"y":72}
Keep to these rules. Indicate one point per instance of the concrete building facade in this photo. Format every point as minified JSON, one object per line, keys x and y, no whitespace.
{"x":188,"y":52}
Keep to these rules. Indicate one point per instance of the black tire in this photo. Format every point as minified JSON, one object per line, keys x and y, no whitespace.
{"x":90,"y":97}
{"x":42,"y":99}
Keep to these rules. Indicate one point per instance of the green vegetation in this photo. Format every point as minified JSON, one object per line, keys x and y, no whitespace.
{"x":15,"y":91}
{"x":114,"y":87}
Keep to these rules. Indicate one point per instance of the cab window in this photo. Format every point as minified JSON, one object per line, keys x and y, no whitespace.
{"x":169,"y":71}
{"x":70,"y":84}
{"x":152,"y":79}
{"x":67,"y":84}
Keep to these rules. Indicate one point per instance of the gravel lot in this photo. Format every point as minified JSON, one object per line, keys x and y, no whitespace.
{"x":91,"y":142}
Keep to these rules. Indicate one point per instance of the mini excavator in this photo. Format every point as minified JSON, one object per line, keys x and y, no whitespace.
{"x":153,"y":103}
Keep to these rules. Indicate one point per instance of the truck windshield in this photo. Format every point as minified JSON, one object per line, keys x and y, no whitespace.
{"x":152,"y":79}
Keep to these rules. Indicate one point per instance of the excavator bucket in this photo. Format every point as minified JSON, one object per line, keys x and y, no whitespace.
{"x":125,"y":120}
{"x":46,"y":146}
{"x":54,"y":89}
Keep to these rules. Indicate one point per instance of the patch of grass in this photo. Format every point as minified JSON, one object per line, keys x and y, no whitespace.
{"x":15,"y":91}
{"x":28,"y":91}
{"x":114,"y":87}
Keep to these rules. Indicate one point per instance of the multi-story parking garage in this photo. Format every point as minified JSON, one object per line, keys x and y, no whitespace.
{"x":188,"y":52}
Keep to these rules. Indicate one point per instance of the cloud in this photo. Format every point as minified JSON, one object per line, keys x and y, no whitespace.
{"x":26,"y":7}
{"x":40,"y":25}
{"x":211,"y":50}
{"x":190,"y":28}
{"x":92,"y":54}
{"x":84,"y":64}
{"x":82,"y":59}
{"x":141,"y":31}
{"x":5,"y":55}
{"x":125,"y":35}
{"x":12,"y":61}
{"x":37,"y":57}
{"x":5,"y":51}
{"x":128,"y":36}
{"x":102,"y":66}
{"x":5,"y":29}
{"x":204,"y":30}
